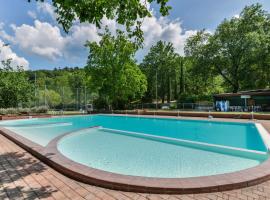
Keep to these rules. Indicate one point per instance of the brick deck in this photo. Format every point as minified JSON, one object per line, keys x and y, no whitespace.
{"x":22,"y":176}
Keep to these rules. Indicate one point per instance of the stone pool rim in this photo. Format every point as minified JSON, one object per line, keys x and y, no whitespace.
{"x":214,"y":183}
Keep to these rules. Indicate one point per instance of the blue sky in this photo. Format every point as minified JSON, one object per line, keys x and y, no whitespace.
{"x":199,"y":14}
{"x":36,"y":40}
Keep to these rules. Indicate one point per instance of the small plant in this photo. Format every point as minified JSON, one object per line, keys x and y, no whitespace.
{"x":173,"y":105}
{"x":39,"y":109}
{"x":34,"y":110}
{"x":42,"y":109}
{"x":24,"y":110}
{"x":12,"y":111}
{"x":3,"y":111}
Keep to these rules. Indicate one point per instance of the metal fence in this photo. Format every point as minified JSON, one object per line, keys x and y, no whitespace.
{"x":174,"y":106}
{"x":61,"y":98}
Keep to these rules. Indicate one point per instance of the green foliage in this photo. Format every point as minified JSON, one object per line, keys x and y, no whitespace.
{"x":50,"y":97}
{"x":238,"y":51}
{"x":3,"y":111}
{"x":24,"y":110}
{"x":14,"y":111}
{"x":125,"y":12}
{"x":14,"y":86}
{"x":39,"y":109}
{"x":235,"y":57}
{"x":164,"y":69}
{"x":69,"y":83}
{"x":114,"y":73}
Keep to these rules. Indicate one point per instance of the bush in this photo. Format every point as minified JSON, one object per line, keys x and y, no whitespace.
{"x":173,"y":105}
{"x":24,"y":110}
{"x":42,"y":109}
{"x":11,"y":111}
{"x":191,"y":98}
{"x":34,"y":110}
{"x":3,"y":111}
{"x":187,"y":98}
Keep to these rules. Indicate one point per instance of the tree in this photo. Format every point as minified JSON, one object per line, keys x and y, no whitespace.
{"x":162,"y":68}
{"x":69,"y":83}
{"x":15,"y":89}
{"x":238,"y":50}
{"x":78,"y":82}
{"x":50,"y":98}
{"x":125,"y":12}
{"x":113,"y":70}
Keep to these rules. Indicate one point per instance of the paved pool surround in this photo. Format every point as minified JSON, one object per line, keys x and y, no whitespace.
{"x":215,"y":183}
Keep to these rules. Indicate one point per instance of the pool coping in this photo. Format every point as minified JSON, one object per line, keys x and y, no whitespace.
{"x":214,"y":183}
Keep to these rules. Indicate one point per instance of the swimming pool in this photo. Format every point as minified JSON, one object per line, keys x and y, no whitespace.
{"x":149,"y":147}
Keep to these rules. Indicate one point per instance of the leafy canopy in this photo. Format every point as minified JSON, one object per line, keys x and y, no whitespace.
{"x":126,"y":12}
{"x":51,"y":98}
{"x":161,"y":66}
{"x":113,"y":70}
{"x":239,"y":50}
{"x":15,"y":89}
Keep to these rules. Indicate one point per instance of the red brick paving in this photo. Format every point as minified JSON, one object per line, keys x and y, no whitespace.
{"x":22,"y":176}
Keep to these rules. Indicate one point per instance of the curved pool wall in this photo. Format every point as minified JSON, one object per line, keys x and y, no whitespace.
{"x":127,"y":154}
{"x":233,"y":134}
{"x":49,"y":150}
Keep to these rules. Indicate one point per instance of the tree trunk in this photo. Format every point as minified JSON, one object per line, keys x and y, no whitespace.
{"x":175,"y":88}
{"x":181,"y":82}
{"x":235,"y":88}
{"x":169,"y":90}
{"x":236,"y":80}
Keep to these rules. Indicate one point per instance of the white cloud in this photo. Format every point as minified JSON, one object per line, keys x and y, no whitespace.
{"x":236,"y":16}
{"x":2,"y":24}
{"x":32,"y":14}
{"x":79,"y":34}
{"x":7,"y":53}
{"x":156,"y":29}
{"x":47,"y":41}
{"x":42,"y":39}
{"x":46,"y":8}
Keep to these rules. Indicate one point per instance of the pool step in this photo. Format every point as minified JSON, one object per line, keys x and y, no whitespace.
{"x":199,"y":145}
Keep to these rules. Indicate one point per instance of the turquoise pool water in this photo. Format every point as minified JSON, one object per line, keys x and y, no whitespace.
{"x":149,"y":147}
{"x":129,"y":155}
{"x":239,"y":135}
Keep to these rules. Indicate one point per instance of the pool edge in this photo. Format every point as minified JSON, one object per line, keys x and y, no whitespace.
{"x":51,"y":156}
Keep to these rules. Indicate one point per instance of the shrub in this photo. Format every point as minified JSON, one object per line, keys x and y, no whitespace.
{"x":39,"y":109}
{"x":24,"y":110}
{"x":173,"y":105}
{"x":11,"y":111}
{"x":42,"y":109}
{"x":34,"y":110}
{"x":3,"y":111}
{"x":187,"y":98}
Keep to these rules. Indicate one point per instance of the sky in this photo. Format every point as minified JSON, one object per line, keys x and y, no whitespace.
{"x":36,"y":41}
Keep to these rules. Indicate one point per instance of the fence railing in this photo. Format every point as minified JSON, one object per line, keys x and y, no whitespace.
{"x":174,"y":106}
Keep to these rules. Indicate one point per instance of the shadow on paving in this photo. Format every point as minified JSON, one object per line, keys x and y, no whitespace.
{"x":14,"y":167}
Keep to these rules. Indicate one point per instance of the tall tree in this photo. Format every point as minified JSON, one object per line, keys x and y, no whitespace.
{"x":238,"y":50}
{"x":113,"y":70}
{"x":50,"y":98}
{"x":15,"y":89}
{"x":161,"y":66}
